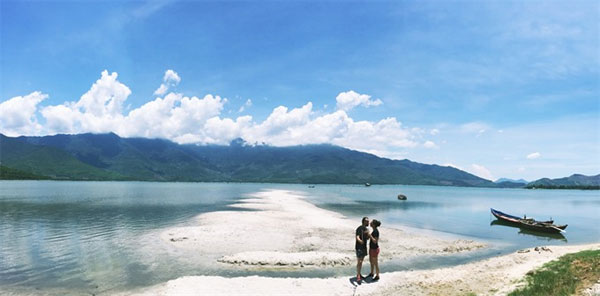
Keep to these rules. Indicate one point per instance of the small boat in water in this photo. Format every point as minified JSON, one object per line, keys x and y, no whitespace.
{"x":531,"y":224}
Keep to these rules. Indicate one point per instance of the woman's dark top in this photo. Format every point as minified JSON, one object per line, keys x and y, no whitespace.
{"x":360,"y":231}
{"x":375,"y":234}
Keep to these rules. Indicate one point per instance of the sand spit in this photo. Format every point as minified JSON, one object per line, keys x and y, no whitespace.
{"x":494,"y":276}
{"x":281,"y":229}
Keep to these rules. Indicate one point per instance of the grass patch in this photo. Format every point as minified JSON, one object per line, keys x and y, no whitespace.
{"x":564,"y":276}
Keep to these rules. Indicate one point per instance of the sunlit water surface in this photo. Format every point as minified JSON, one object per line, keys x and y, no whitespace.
{"x":101,"y":237}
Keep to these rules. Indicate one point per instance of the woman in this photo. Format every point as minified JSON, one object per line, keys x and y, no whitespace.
{"x":374,"y":248}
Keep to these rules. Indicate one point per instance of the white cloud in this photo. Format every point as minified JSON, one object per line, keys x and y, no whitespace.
{"x":350,"y":99}
{"x":477,"y":128}
{"x":17,"y":115}
{"x":481,"y":171}
{"x":434,"y":131}
{"x":196,"y":120}
{"x":246,"y":105}
{"x":453,"y":165}
{"x":533,"y":155}
{"x":171,"y":78}
{"x":99,"y":110}
{"x":430,"y":145}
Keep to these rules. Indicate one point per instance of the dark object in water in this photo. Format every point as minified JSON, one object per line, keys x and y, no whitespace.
{"x":531,"y":224}
{"x":367,"y":184}
{"x":401,"y":197}
{"x":311,"y":186}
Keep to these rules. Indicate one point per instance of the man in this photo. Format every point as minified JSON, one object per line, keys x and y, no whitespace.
{"x":361,"y":246}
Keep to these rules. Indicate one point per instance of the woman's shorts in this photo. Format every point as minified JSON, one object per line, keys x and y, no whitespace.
{"x":361,"y":253}
{"x":374,"y":252}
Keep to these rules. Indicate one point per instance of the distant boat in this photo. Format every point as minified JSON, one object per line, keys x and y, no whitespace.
{"x":367,"y":184}
{"x":531,"y":224}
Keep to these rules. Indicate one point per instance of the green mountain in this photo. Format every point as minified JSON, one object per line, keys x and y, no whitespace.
{"x":7,"y":173}
{"x":575,"y":181}
{"x":109,"y":157}
{"x":48,"y":162}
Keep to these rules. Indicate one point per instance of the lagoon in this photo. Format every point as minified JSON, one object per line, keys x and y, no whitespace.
{"x":100,"y":236}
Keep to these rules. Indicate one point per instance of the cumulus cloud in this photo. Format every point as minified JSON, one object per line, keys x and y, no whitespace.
{"x":17,"y":115}
{"x":99,"y":110}
{"x":481,"y":171}
{"x":350,"y":99}
{"x":197,"y":120}
{"x":170,"y":79}
{"x":434,"y":131}
{"x":533,"y":155}
{"x":430,"y":145}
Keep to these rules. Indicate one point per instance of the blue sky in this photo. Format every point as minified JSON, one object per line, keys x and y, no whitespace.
{"x":497,"y":88}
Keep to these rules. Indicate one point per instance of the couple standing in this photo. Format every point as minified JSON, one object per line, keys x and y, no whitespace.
{"x":362,"y":236}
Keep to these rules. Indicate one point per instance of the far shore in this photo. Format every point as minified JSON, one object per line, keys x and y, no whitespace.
{"x":282,"y":230}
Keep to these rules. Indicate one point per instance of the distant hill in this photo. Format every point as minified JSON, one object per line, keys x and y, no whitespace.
{"x":510,"y":183}
{"x":110,"y":157}
{"x":522,"y":181}
{"x":575,"y":181}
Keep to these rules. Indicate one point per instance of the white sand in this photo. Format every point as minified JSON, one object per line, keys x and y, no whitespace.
{"x":284,"y":230}
{"x":288,"y":231}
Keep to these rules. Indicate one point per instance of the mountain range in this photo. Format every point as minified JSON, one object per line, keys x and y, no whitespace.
{"x":110,"y":157}
{"x":573,"y":181}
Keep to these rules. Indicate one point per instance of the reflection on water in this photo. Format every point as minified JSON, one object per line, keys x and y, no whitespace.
{"x":540,"y":235}
{"x":372,"y":207}
{"x":95,"y":237}
{"x":465,"y":211}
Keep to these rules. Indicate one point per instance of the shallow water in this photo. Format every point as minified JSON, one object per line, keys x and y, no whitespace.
{"x":100,"y":237}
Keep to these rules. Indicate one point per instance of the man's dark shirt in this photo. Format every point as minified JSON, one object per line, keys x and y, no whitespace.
{"x":360,"y":231}
{"x":374,"y":245}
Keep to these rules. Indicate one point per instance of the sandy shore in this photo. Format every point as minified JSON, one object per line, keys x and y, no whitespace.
{"x":494,"y":276}
{"x":282,"y":230}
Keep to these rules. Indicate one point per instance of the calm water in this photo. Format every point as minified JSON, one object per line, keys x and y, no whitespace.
{"x":100,"y":237}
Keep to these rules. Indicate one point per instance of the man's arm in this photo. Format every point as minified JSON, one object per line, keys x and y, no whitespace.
{"x":359,"y":240}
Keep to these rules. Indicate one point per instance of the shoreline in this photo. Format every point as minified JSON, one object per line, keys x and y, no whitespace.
{"x":493,"y":276}
{"x":301,"y":236}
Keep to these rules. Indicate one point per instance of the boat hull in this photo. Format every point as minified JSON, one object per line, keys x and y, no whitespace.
{"x":529,"y":224}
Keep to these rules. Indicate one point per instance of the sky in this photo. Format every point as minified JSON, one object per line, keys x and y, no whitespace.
{"x":496,"y":88}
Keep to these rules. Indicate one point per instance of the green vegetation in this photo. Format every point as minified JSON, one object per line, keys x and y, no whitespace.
{"x":580,"y":187}
{"x":48,"y":162}
{"x":569,"y":274}
{"x":110,"y":157}
{"x":575,"y":181}
{"x":7,"y":173}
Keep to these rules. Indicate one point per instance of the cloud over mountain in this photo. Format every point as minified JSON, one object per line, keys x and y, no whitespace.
{"x":184,"y":119}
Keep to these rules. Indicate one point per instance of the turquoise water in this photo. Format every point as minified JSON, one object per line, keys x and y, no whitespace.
{"x":100,"y":237}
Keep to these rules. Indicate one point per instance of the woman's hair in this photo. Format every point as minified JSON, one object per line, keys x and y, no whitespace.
{"x":376,"y":223}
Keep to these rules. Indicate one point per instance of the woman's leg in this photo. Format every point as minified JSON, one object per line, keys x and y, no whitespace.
{"x":371,"y":262}
{"x":376,"y":261}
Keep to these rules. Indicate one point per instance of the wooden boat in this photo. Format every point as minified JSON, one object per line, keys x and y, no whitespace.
{"x":531,"y":224}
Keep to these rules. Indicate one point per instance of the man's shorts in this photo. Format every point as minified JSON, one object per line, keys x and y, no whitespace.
{"x":374,"y":252}
{"x":361,"y":253}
